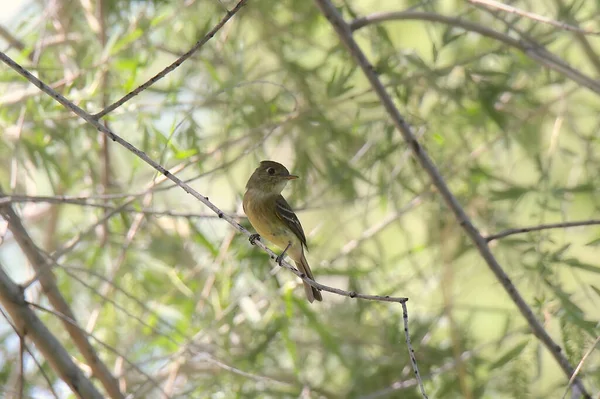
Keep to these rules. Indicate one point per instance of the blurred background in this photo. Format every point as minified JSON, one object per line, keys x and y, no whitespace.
{"x":182,"y":300}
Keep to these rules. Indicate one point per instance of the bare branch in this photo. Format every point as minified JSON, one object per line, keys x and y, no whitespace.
{"x":85,"y":201}
{"x":519,"y":230}
{"x":12,"y":299}
{"x":37,"y":363}
{"x":345,"y":35}
{"x":94,"y":122}
{"x":175,"y":64}
{"x":580,"y":365}
{"x":411,"y":352}
{"x":532,"y":16}
{"x":68,"y":320}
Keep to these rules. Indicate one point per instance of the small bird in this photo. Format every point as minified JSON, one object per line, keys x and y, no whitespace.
{"x":273,"y":218}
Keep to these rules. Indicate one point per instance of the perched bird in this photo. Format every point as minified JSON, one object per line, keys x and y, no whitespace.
{"x":273,"y":218}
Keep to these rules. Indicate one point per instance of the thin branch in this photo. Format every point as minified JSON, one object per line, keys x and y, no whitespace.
{"x":580,"y":365}
{"x":344,"y":33}
{"x":588,"y":49}
{"x":64,"y":200}
{"x":528,"y":47}
{"x":210,"y":359}
{"x":411,"y":352}
{"x":94,"y":122}
{"x":105,"y":154}
{"x":12,"y":299}
{"x":532,"y":16}
{"x":68,"y":320}
{"x":519,"y":230}
{"x":142,"y":155}
{"x":175,"y":64}
{"x":375,"y":229}
{"x":12,"y":41}
{"x":37,"y":363}
{"x":107,"y":286}
{"x":70,"y":269}
{"x":106,"y":298}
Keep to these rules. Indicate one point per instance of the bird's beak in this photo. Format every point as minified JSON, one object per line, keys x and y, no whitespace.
{"x":291,"y":177}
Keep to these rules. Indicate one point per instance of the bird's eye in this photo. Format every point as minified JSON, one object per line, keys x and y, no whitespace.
{"x":271,"y":171}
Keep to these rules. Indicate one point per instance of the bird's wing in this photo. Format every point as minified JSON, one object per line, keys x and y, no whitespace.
{"x":284,"y":211}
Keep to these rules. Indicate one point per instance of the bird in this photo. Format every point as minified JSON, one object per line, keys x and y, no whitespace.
{"x":273,"y":218}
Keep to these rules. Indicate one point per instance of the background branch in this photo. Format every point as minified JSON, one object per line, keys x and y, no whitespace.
{"x":345,"y":34}
{"x":48,"y":282}
{"x":29,"y":325}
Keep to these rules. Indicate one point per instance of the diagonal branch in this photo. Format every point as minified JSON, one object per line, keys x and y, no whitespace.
{"x":47,"y":280}
{"x":232,"y":221}
{"x":345,"y":35}
{"x":175,"y":64}
{"x":142,"y":155}
{"x":11,"y":298}
{"x":519,"y":230}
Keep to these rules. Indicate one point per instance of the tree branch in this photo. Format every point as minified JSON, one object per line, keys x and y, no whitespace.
{"x":47,"y":280}
{"x":12,"y":299}
{"x":344,"y":33}
{"x":519,"y":230}
{"x":175,"y":64}
{"x":531,"y":49}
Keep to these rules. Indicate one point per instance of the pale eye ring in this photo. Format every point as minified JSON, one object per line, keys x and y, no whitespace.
{"x":271,"y":171}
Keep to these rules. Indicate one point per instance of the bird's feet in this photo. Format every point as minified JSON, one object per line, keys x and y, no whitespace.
{"x":279,"y":258}
{"x":253,"y":238}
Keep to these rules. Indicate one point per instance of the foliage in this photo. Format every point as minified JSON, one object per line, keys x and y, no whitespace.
{"x":178,"y":296}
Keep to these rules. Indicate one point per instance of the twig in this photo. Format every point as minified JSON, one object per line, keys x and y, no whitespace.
{"x":174,"y":65}
{"x":12,"y":41}
{"x":70,"y":269}
{"x":68,"y":320}
{"x":580,"y":365}
{"x":345,"y":35}
{"x":411,"y":352}
{"x":37,"y":363}
{"x":519,"y":230}
{"x":378,"y":227}
{"x":12,"y":299}
{"x":107,"y":286}
{"x":105,"y":154}
{"x":63,"y":200}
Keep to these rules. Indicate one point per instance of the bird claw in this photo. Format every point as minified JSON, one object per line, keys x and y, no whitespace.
{"x":280,"y":257}
{"x":253,"y":238}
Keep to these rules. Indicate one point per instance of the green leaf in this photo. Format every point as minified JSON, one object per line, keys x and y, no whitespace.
{"x":581,"y":265}
{"x":511,"y":354}
{"x":596,"y":289}
{"x":594,"y":243}
{"x":512,"y":193}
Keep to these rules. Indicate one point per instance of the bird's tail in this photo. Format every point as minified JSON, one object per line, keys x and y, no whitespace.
{"x":311,"y":292}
